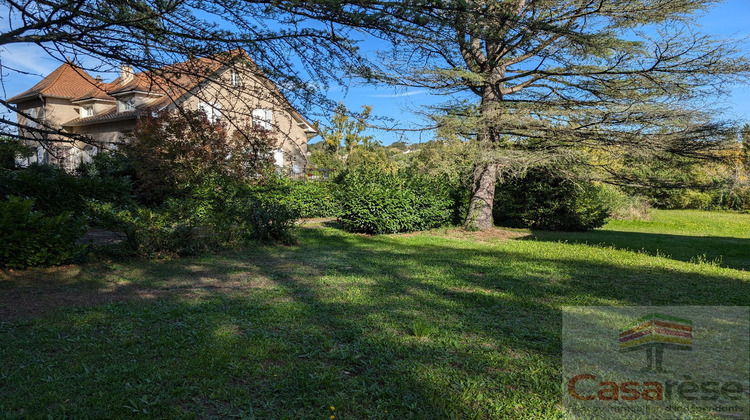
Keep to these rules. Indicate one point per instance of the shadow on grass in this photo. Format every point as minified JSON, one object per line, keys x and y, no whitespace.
{"x":723,"y":251}
{"x":376,"y":327}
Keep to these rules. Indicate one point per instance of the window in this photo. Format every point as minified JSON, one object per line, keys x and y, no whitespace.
{"x":263,"y":119}
{"x":88,"y":153}
{"x":235,"y":78}
{"x":127,"y":104}
{"x":67,"y":158}
{"x":278,"y":158}
{"x":212,"y":111}
{"x":22,"y":162}
{"x":87,"y":111}
{"x":41,"y":155}
{"x":31,"y":113}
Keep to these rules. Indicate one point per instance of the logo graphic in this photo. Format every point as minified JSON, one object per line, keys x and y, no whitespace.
{"x":697,"y":362}
{"x":654,"y":333}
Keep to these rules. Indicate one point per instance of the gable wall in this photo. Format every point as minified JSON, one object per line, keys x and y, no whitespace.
{"x":60,"y":111}
{"x":237,"y":104}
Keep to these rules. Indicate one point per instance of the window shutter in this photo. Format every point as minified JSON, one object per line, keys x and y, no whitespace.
{"x":278,"y":157}
{"x":32,"y":114}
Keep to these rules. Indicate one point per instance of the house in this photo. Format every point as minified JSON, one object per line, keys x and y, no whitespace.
{"x":227,"y":86}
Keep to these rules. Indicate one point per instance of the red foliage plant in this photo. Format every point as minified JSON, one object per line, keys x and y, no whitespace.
{"x":175,"y":148}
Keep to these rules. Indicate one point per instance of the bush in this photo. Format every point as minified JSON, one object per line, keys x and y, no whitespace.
{"x":10,"y":149}
{"x":451,"y":161}
{"x":112,"y":164}
{"x":735,"y":197}
{"x":544,"y":200}
{"x":268,"y":221}
{"x":217,"y":213}
{"x":315,"y":198}
{"x":623,"y":206}
{"x":374,"y":201}
{"x":265,"y":208}
{"x":681,"y":198}
{"x":29,"y":238}
{"x":55,"y":191}
{"x":174,"y":149}
{"x":153,"y":233}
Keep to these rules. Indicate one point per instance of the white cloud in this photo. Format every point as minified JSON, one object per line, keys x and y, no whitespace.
{"x":399,"y":95}
{"x":28,"y":58}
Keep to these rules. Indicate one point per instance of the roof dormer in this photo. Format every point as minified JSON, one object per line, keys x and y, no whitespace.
{"x":126,"y":103}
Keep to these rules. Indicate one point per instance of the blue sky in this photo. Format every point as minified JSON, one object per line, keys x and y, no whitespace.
{"x":728,"y":20}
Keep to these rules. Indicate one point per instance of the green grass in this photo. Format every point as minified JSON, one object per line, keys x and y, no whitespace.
{"x":403,"y":326}
{"x":722,"y":238}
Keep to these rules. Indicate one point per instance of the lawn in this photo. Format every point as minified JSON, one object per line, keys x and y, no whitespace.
{"x":441,"y":324}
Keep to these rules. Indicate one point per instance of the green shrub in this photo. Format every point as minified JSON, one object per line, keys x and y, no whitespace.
{"x":544,"y":200}
{"x":153,"y":233}
{"x":55,"y":191}
{"x":265,"y":209}
{"x":29,"y":238}
{"x":683,"y":198}
{"x":315,"y":198}
{"x":374,"y":201}
{"x":451,"y":161}
{"x":623,"y":206}
{"x":112,"y":164}
{"x":733,"y":198}
{"x":720,"y":197}
{"x":217,"y":213}
{"x":10,"y":149}
{"x":268,"y":221}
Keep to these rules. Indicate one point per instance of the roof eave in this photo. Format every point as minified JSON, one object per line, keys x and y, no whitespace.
{"x":17,"y":99}
{"x":105,"y":121}
{"x":133,"y":91}
{"x":80,"y":101}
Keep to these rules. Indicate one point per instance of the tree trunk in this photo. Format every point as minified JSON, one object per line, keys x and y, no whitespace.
{"x":479,"y":216}
{"x":482,"y":197}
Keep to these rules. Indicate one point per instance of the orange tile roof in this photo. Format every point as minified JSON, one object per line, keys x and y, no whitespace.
{"x":171,"y":82}
{"x":108,"y":116}
{"x":99,"y":91}
{"x":67,"y":81}
{"x":180,"y":77}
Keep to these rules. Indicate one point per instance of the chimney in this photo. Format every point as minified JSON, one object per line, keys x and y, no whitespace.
{"x":126,"y":73}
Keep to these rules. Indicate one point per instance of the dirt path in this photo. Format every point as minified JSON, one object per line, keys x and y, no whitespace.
{"x":26,"y":294}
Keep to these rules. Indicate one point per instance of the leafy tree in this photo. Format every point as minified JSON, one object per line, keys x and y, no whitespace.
{"x":177,"y":149}
{"x":344,"y":139}
{"x":399,"y":145}
{"x":345,"y":132}
{"x":548,"y":77}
